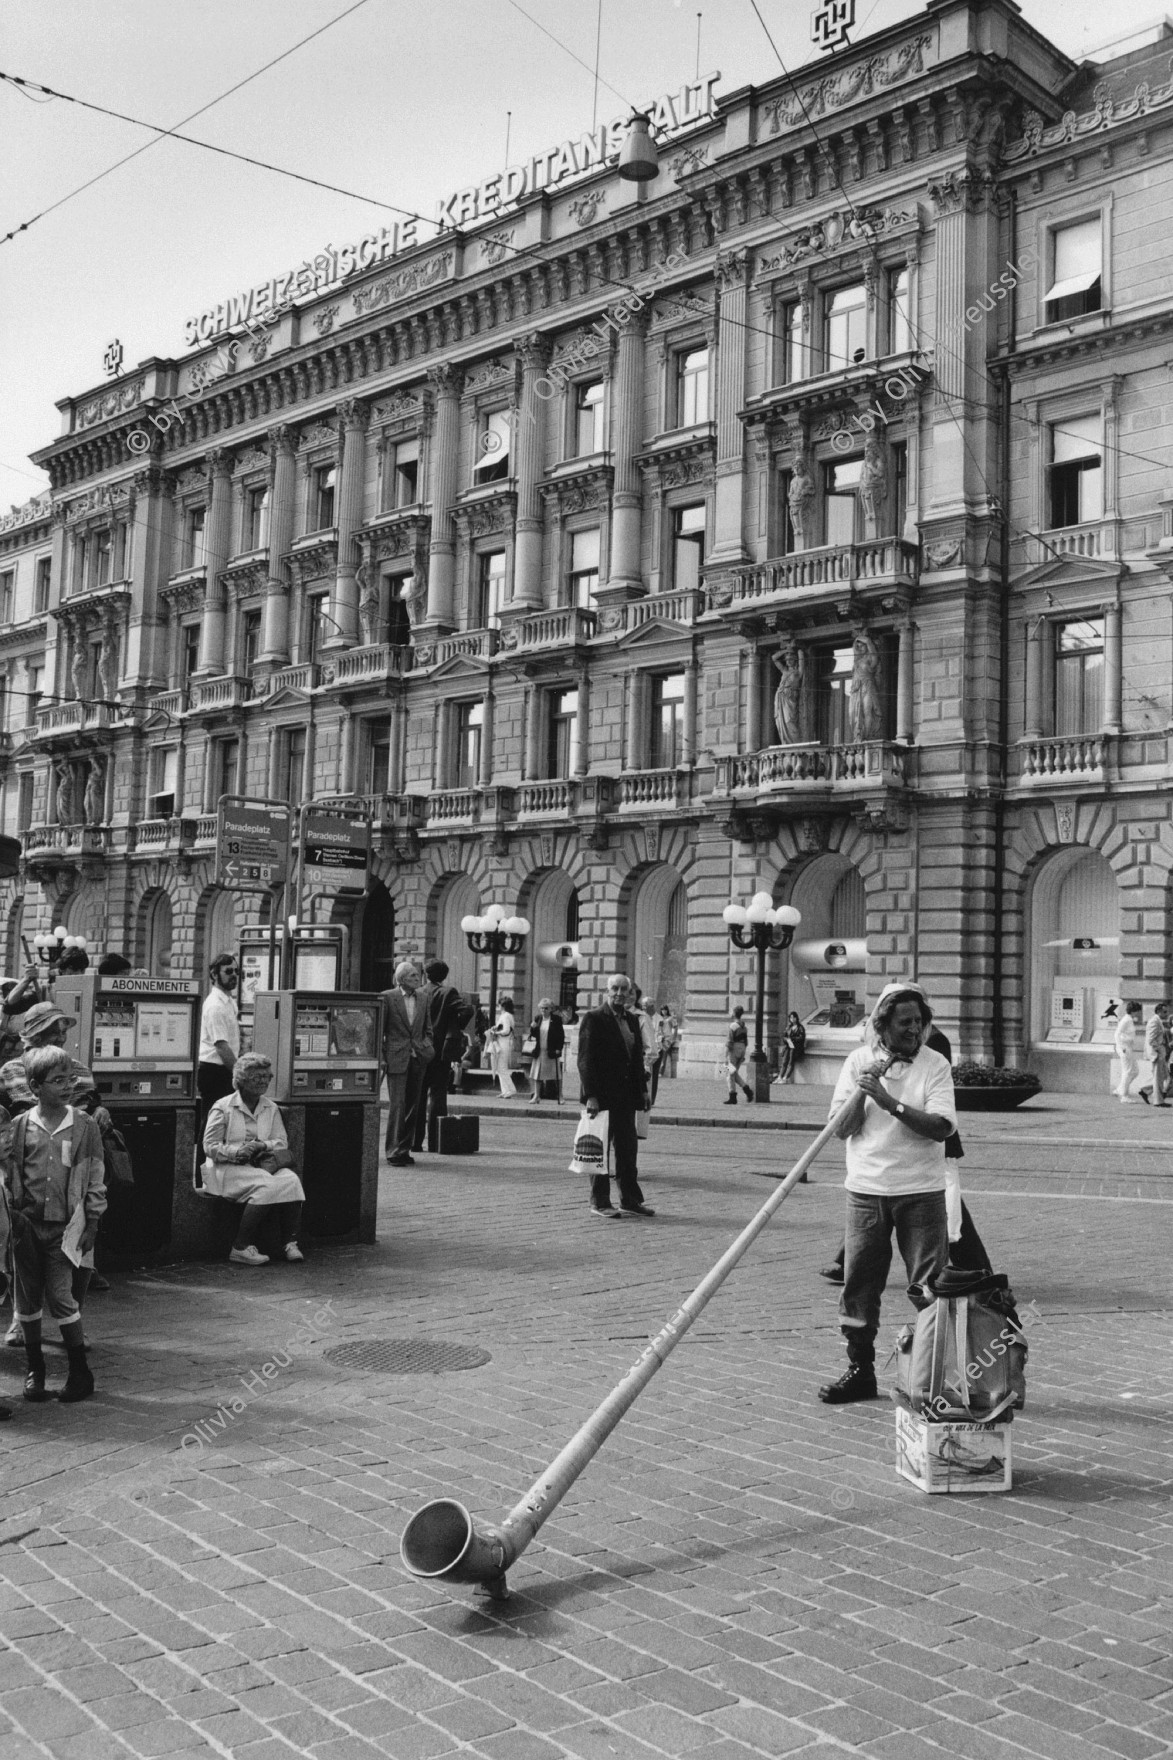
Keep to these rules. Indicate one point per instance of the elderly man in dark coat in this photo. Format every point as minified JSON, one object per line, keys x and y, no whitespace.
{"x":614,"y":1081}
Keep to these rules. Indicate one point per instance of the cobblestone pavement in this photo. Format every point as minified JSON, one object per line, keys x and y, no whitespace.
{"x":739,"y":1572}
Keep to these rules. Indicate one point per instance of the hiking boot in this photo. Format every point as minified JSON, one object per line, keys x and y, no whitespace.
{"x":856,"y":1382}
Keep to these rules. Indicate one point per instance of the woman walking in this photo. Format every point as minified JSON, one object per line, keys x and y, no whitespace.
{"x":793,"y":1047}
{"x":499,"y":1041}
{"x":736,"y":1048}
{"x":549,"y":1041}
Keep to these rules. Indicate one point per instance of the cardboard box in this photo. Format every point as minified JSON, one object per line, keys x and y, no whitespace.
{"x":952,"y":1457}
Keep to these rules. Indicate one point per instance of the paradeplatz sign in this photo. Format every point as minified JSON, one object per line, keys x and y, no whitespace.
{"x":335,"y":851}
{"x":253,"y":840}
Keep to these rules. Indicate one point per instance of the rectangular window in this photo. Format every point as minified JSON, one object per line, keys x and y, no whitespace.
{"x":470,"y":719}
{"x":250,"y":642}
{"x":832,"y":696}
{"x":103,"y":557}
{"x":667,"y":741}
{"x":322,"y":486}
{"x":318,"y":625}
{"x":7,"y":595}
{"x":492,"y":459}
{"x":256,"y":517}
{"x":842,"y":500}
{"x":584,"y":568}
{"x":588,"y":418}
{"x":1076,"y":471}
{"x":43,"y":581}
{"x":33,"y":695}
{"x":692,"y":387}
{"x":563,"y":715}
{"x":295,"y":777}
{"x":1076,"y":271}
{"x":490,"y":590}
{"x":196,"y":520}
{"x":226,"y":771}
{"x":790,"y":335}
{"x":786,"y":544}
{"x":845,"y":328}
{"x":688,"y":546}
{"x":189,"y":652}
{"x":404,"y":470}
{"x":1079,"y":676}
{"x":398,"y":589}
{"x":379,"y":760}
{"x":900,"y":327}
{"x":24,"y":804}
{"x":899,"y":487}
{"x":164,"y":772}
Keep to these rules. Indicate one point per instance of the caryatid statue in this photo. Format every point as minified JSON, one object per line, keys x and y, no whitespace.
{"x":368,"y":604}
{"x":66,"y":793}
{"x":801,"y":498}
{"x":789,"y":716}
{"x":873,"y":483}
{"x":95,"y":795}
{"x":865,"y":705}
{"x":108,"y":661}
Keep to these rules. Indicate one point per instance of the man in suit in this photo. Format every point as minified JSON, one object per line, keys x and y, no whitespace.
{"x":407,"y":1052}
{"x":447,"y":1013}
{"x":614,"y":1081}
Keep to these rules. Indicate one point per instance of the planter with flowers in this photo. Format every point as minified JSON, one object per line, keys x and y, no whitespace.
{"x":985,"y":1087}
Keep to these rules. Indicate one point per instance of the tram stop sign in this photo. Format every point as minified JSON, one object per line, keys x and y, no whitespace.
{"x":252,"y":843}
{"x":336,"y":852}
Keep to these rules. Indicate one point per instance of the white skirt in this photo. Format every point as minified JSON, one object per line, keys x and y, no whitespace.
{"x":245,"y":1184}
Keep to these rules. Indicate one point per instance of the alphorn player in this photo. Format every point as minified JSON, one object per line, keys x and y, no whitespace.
{"x":895,"y":1133}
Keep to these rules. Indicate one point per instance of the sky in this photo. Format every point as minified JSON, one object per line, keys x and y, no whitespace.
{"x":399,"y":101}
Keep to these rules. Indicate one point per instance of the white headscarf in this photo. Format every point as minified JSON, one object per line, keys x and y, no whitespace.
{"x":905,"y":986}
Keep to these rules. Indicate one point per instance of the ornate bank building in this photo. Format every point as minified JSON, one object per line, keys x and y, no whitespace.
{"x":799,"y":520}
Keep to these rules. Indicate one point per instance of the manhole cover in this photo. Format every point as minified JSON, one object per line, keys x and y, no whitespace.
{"x":407,"y":1356}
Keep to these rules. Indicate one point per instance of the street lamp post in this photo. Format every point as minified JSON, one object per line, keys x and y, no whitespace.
{"x":760,"y":927}
{"x":495,"y":934}
{"x":53,"y":943}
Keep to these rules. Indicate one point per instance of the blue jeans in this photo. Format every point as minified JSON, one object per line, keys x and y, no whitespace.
{"x":922,"y":1235}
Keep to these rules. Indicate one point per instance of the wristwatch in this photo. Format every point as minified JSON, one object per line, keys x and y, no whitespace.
{"x":900,"y":1109}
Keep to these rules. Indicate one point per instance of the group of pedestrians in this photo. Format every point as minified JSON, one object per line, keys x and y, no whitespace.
{"x":1157,"y":1041}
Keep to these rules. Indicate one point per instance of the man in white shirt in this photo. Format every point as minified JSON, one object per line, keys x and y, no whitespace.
{"x":895,"y":1132}
{"x":219,"y":1035}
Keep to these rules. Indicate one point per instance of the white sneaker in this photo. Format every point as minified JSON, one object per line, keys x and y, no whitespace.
{"x":15,"y":1334}
{"x":247,"y":1256}
{"x":294,"y":1253}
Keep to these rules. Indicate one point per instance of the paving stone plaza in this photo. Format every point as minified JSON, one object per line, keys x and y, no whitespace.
{"x":739,"y":1572}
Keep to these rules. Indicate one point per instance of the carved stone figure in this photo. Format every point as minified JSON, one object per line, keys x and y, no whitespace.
{"x":95,"y":795}
{"x":417,"y":597}
{"x":77,"y":668}
{"x":108,"y":662}
{"x":864,"y":704}
{"x":66,"y":793}
{"x":802,"y":496}
{"x":789,"y":717}
{"x":873,"y":482}
{"x":368,"y":605}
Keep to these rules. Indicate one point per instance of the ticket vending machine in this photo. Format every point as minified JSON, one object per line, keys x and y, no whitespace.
{"x":140,"y":1037}
{"x":326,"y":1050}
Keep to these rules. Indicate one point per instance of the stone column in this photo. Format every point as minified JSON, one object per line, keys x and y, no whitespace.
{"x":728,"y":545}
{"x":581,"y":759}
{"x":627,"y":429}
{"x":530,"y":441}
{"x":206,"y":803}
{"x":753,"y":701}
{"x":446,"y":384}
{"x":533,"y":733}
{"x":688,"y":753}
{"x":275,"y":641}
{"x":348,"y":519}
{"x":904,"y":710}
{"x":1036,"y":634}
{"x":217,"y":550}
{"x":1113,"y":679}
{"x":347,"y":728}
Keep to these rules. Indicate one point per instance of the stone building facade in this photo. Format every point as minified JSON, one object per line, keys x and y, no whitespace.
{"x":798,"y":521}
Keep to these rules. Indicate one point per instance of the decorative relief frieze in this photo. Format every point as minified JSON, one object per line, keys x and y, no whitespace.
{"x":402,"y":408}
{"x":408,"y":281}
{"x":191,"y":481}
{"x":585,"y":209}
{"x":833,"y":91}
{"x":110,"y":404}
{"x":1107,"y":112}
{"x":489,"y":376}
{"x":40,"y":507}
{"x":837,"y":230}
{"x":496,"y":247}
{"x":325,"y":320}
{"x":690,"y":160}
{"x":318,"y":434}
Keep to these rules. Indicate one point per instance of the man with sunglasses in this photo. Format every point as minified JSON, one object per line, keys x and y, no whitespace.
{"x":219,"y":1036}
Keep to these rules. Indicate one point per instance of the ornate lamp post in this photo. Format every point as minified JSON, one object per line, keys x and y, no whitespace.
{"x":53,"y":944}
{"x":760,"y":926}
{"x":495,"y":934}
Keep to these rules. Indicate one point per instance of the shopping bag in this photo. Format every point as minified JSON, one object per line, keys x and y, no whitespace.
{"x":642,"y":1121}
{"x":529,"y":1046}
{"x":590,"y":1144}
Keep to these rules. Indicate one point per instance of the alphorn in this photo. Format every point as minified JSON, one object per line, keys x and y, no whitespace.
{"x":444,"y":1543}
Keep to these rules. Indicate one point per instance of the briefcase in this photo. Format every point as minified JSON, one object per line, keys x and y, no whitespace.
{"x":459,"y":1134}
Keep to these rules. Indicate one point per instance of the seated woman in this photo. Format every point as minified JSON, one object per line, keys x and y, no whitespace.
{"x":249,"y":1162}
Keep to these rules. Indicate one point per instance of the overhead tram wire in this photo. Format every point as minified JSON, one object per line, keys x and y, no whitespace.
{"x":183,"y":120}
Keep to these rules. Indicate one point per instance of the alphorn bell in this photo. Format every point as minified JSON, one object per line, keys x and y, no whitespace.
{"x":444,"y":1543}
